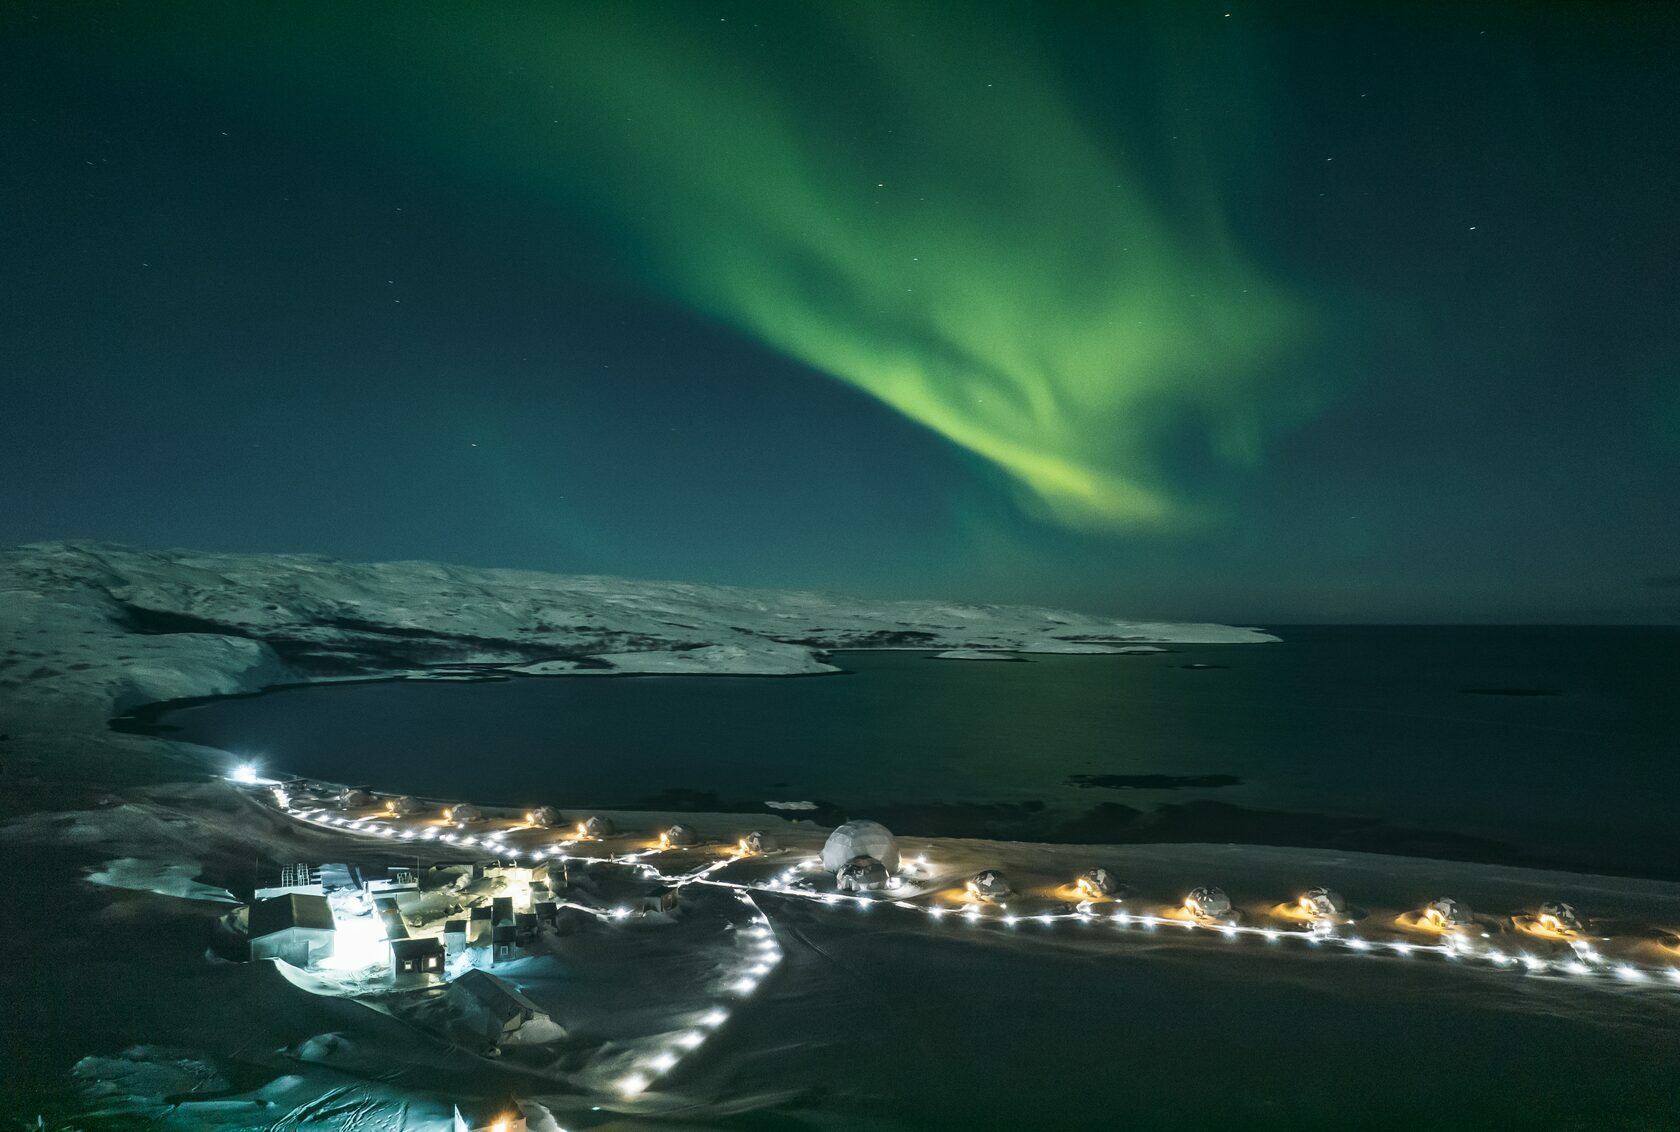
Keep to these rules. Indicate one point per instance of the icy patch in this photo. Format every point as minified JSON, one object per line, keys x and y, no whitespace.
{"x":147,"y":1075}
{"x":166,"y":878}
{"x":791,"y":805}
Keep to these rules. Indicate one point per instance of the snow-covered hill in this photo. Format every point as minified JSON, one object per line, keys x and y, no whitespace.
{"x":89,"y":630}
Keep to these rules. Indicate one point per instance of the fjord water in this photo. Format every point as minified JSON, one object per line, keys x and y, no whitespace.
{"x":1559,"y":744}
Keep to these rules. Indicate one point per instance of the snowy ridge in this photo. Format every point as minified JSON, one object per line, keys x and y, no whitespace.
{"x":90,"y":630}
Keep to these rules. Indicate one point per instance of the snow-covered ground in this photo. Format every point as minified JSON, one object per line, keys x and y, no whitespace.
{"x":120,"y":857}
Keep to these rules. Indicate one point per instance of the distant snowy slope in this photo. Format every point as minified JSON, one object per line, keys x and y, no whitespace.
{"x":89,"y":629}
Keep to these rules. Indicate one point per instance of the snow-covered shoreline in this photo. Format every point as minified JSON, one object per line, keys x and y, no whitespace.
{"x":96,"y":630}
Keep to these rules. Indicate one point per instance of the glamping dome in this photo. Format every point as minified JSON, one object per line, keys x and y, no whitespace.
{"x":595,"y":827}
{"x":464,"y":813}
{"x":544,"y":817}
{"x":1556,"y":916}
{"x":1207,"y":903}
{"x":861,"y":874}
{"x":1322,"y":903}
{"x":679,"y":836}
{"x":758,"y":842}
{"x":1446,"y":913}
{"x":860,"y":839}
{"x":403,"y":806}
{"x":1097,"y":883}
{"x":353,"y":796}
{"x":988,"y":884}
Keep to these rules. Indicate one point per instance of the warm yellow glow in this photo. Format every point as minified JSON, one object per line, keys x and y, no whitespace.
{"x":583,"y":829}
{"x":499,"y":1126}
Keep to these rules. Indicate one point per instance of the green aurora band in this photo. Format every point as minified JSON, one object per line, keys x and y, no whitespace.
{"x":909,"y":203}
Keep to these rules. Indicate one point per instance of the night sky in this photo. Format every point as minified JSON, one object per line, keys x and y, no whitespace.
{"x":1264,"y":313}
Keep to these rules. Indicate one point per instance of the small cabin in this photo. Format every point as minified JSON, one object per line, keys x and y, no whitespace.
{"x":423,"y":956}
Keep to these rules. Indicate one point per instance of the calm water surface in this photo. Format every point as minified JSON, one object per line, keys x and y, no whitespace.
{"x":1363,"y":721}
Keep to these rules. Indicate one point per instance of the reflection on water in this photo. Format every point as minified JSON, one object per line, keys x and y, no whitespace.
{"x":1392,"y":724}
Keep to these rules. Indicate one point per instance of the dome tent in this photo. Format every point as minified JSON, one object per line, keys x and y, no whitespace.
{"x":1098,"y":882}
{"x":989,"y":884}
{"x":759,"y":842}
{"x":1322,"y":903}
{"x":861,"y":874}
{"x":464,"y":813}
{"x":544,"y":817}
{"x":354,"y":796}
{"x":679,"y":836}
{"x":403,"y":806}
{"x":860,"y":839}
{"x":1446,"y":912}
{"x":1556,"y":916}
{"x":1208,"y":903}
{"x":595,"y":827}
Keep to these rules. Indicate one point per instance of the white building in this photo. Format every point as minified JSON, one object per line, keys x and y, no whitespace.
{"x":860,"y":839}
{"x":492,"y":1006}
{"x":296,"y":927}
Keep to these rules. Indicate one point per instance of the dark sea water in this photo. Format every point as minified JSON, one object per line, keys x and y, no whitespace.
{"x":1527,"y":745}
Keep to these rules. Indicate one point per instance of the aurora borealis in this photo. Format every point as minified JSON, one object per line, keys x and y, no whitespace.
{"x":1238,"y":312}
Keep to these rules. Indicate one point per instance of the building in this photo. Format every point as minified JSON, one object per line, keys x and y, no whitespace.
{"x":423,"y":956}
{"x":492,"y":1005}
{"x":489,"y":1116}
{"x":299,"y":877}
{"x":479,"y":924}
{"x":454,"y":937}
{"x":389,"y":878}
{"x":296,"y":927}
{"x":658,"y":898}
{"x":504,"y":943}
{"x":390,"y":917}
{"x":547,"y":912}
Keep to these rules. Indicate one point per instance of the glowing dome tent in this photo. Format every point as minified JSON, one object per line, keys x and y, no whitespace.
{"x":1208,"y":903}
{"x":1446,"y":912}
{"x":988,"y":884}
{"x":1556,"y":916}
{"x":860,"y":839}
{"x":464,"y":814}
{"x":759,"y":842}
{"x":679,"y":836}
{"x":544,"y":817}
{"x":595,"y":827}
{"x":1098,"y":883}
{"x":861,"y":874}
{"x":403,"y":806}
{"x":352,"y":796}
{"x":1322,"y":903}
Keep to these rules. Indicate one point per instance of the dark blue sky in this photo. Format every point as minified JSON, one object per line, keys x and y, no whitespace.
{"x":530,"y":288}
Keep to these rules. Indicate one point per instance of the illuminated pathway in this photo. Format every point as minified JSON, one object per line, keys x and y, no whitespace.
{"x":761,"y":952}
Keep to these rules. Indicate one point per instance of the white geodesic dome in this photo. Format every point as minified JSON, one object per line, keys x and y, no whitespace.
{"x":860,"y":839}
{"x":1447,"y":912}
{"x":1207,"y":902}
{"x":681,"y":835}
{"x":545,"y":817}
{"x":1557,"y":916}
{"x":759,"y":842}
{"x":1321,"y":903}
